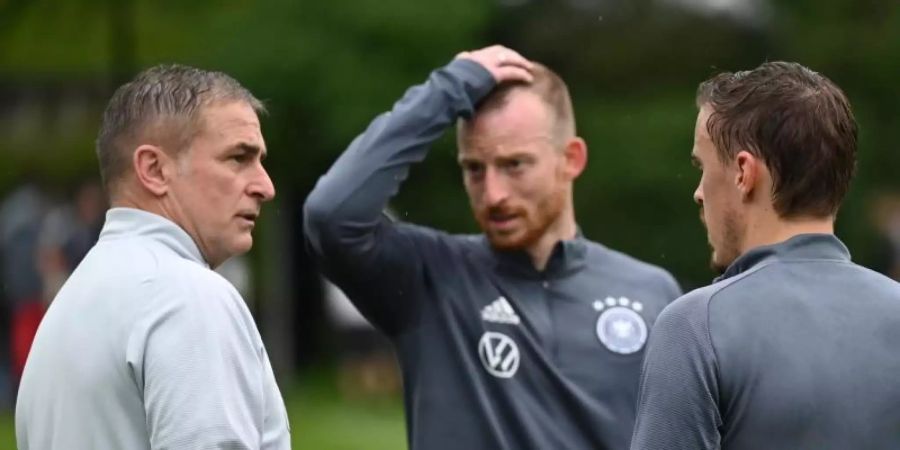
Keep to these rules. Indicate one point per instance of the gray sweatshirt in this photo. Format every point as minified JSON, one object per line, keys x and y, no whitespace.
{"x":495,"y":354}
{"x":795,"y":347}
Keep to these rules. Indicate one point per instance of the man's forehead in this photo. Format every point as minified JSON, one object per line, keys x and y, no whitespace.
{"x":239,"y":114}
{"x":527,"y":112}
{"x":236,"y":120}
{"x":507,"y":139}
{"x":702,"y":119}
{"x":502,"y":144}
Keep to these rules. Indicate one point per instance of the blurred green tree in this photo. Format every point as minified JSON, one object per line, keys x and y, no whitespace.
{"x":327,"y":68}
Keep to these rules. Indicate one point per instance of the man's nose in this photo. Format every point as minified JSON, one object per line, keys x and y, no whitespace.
{"x":496,"y":189}
{"x":262,"y":186}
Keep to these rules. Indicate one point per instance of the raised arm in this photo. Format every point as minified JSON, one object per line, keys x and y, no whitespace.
{"x":375,"y":262}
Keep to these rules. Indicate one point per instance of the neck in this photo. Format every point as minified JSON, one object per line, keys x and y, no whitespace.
{"x":563,"y":228}
{"x":772,"y":229}
{"x":128,"y":198}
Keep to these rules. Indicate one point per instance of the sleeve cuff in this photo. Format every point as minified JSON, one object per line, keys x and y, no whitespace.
{"x":476,"y":81}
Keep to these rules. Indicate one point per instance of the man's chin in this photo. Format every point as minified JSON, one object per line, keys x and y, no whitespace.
{"x":243,"y":245}
{"x":506,"y":242}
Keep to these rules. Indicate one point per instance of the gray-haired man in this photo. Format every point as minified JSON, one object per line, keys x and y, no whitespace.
{"x":145,"y":346}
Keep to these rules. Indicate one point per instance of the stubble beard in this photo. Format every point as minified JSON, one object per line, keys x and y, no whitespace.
{"x":729,"y":247}
{"x":536,"y":224}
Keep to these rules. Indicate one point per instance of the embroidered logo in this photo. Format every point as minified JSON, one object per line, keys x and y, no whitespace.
{"x":499,"y":354}
{"x":620,"y":328}
{"x":500,"y":311}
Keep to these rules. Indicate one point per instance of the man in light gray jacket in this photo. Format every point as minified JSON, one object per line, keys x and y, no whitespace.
{"x":145,"y":346}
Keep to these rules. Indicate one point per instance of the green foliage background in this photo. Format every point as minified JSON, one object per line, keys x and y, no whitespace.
{"x":327,"y":68}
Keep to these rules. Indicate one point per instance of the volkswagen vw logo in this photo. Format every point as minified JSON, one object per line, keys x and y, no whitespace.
{"x":499,"y":354}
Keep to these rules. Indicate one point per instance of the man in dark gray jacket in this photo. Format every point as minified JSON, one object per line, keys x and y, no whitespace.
{"x":528,"y":336}
{"x":794,"y":346}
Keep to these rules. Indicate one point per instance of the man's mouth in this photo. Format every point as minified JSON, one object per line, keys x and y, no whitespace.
{"x":250,"y":217}
{"x":501,"y":220}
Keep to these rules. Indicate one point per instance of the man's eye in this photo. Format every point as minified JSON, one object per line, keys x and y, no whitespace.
{"x":513,"y":164}
{"x":473,"y":169}
{"x":241,"y":157}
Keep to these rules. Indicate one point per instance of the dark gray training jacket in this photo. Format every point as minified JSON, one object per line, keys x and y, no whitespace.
{"x":794,"y":348}
{"x":495,"y":355}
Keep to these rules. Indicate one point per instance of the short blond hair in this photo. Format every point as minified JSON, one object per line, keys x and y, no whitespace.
{"x":549,"y":87}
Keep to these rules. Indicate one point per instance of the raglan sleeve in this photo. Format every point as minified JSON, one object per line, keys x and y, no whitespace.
{"x":678,"y":396}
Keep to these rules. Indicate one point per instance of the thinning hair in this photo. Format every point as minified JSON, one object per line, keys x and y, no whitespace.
{"x":549,"y":87}
{"x":797,"y":121}
{"x":161,"y":106}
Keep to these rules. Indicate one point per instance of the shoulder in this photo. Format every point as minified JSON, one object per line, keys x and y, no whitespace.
{"x":695,"y":305}
{"x":689,"y":307}
{"x":627,"y":266}
{"x":428,"y":237}
{"x":441,"y":250}
{"x":123,"y":263}
{"x":187,"y":280}
{"x":166,"y":282}
{"x":192,"y":300}
{"x":876,"y":279}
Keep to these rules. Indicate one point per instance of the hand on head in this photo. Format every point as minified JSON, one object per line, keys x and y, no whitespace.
{"x":504,"y":64}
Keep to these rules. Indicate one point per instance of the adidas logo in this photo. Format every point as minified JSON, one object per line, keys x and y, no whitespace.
{"x":500,"y":311}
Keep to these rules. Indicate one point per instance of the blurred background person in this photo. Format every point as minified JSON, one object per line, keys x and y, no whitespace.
{"x":22,"y":214}
{"x":68,"y":231}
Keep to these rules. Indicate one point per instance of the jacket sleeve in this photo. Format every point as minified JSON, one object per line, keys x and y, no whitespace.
{"x":376,"y":262}
{"x":679,"y":391}
{"x":202,"y":370}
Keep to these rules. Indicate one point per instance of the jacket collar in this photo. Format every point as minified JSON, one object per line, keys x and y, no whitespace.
{"x":130,"y":222}
{"x":800,"y":247}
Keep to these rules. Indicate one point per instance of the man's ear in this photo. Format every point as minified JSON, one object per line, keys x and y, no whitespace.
{"x":152,"y":167}
{"x":748,"y":172}
{"x":576,"y":157}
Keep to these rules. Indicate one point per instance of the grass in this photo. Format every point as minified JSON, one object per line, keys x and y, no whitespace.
{"x":7,"y":431}
{"x":320,"y":418}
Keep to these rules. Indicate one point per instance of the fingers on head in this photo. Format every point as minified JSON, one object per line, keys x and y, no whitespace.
{"x":514,"y":73}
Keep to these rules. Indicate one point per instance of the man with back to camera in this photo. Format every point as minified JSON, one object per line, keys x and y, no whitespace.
{"x":793,"y":346}
{"x":145,"y":346}
{"x":528,"y":336}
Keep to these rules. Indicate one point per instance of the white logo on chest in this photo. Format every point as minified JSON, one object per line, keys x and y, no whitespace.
{"x":499,"y":354}
{"x":500,"y":311}
{"x":620,"y":328}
